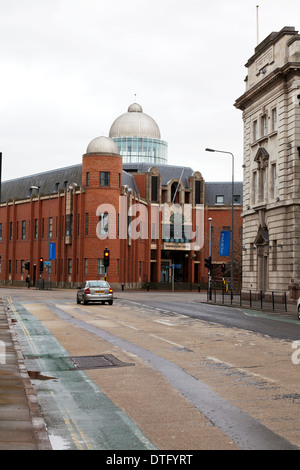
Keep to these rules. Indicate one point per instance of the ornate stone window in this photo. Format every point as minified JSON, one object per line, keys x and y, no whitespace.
{"x":262,"y":161}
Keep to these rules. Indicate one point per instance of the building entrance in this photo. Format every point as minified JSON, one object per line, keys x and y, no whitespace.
{"x":165,"y":274}
{"x":262,"y":246}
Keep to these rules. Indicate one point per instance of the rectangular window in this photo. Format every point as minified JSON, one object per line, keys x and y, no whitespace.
{"x":10,"y":230}
{"x":255,"y":131}
{"x":50,"y":227}
{"x":197,"y":192}
{"x":274,"y":180}
{"x":69,"y":266}
{"x":219,"y":199}
{"x":22,"y":266}
{"x":101,"y":268}
{"x":85,"y":266}
{"x":0,"y":232}
{"x":69,"y":225}
{"x":103,"y":223}
{"x":87,"y":178}
{"x":118,"y":267}
{"x":264,"y":126}
{"x":86,"y":223}
{"x":263,"y":184}
{"x":104,"y":178}
{"x":35,"y":228}
{"x":254,"y":187}
{"x":23,"y":229}
{"x":154,"y":187}
{"x":274,"y":119}
{"x":236,"y":199}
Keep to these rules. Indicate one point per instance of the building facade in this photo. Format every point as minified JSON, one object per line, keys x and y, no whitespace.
{"x":271,"y":189}
{"x":153,"y":218}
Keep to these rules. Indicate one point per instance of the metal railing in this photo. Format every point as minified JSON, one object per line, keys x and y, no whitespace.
{"x":254,"y":299}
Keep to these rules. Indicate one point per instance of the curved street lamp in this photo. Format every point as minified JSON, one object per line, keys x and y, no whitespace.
{"x":232,"y":210}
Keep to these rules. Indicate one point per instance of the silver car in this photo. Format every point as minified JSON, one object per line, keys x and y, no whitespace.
{"x":95,"y":291}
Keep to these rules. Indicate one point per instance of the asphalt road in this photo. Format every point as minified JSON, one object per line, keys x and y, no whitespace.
{"x":187,"y":375}
{"x":276,"y":325}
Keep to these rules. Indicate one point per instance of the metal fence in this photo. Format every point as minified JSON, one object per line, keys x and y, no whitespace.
{"x":254,"y":299}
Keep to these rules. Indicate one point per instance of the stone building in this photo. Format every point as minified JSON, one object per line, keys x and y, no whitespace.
{"x":271,"y":183}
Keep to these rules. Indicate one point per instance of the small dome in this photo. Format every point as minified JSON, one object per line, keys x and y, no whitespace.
{"x":135,"y":108}
{"x":135,"y":123}
{"x":103,"y":145}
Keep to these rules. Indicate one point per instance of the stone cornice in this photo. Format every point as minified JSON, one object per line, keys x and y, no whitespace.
{"x":259,"y":89}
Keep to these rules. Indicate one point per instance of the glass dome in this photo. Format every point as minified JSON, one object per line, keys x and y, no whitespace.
{"x":138,"y":138}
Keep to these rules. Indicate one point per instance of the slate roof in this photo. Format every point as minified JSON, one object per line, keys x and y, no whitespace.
{"x":50,"y":182}
{"x":212,"y":190}
{"x":54,"y":180}
{"x":168,"y":172}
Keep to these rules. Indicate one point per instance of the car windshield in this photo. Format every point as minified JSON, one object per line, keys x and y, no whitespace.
{"x":98,"y":284}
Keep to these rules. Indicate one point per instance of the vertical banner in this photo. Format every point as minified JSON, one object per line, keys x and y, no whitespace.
{"x":52,"y":251}
{"x":225,"y":243}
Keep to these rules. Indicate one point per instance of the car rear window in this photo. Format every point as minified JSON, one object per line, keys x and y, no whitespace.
{"x":98,"y":284}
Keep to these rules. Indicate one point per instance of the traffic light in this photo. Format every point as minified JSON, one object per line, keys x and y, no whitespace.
{"x":208,"y":263}
{"x":223,"y":268}
{"x":27,"y":265}
{"x":106,"y":258}
{"x":41,"y":265}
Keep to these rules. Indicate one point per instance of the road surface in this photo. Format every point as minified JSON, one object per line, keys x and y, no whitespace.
{"x":159,"y":371}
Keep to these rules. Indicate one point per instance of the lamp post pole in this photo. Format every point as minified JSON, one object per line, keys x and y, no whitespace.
{"x":232,"y":209}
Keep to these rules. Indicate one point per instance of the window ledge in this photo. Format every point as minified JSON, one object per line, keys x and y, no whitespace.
{"x":260,"y":140}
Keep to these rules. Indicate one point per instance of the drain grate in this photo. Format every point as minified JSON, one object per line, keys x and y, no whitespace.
{"x":98,"y":362}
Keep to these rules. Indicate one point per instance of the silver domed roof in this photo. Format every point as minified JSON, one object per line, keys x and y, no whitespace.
{"x":135,"y":123}
{"x":102,"y":145}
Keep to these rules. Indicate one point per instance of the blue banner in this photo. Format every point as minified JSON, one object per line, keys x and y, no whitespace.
{"x":225,"y":243}
{"x":52,"y":251}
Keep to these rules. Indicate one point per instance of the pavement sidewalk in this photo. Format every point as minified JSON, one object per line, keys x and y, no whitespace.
{"x":22,"y":426}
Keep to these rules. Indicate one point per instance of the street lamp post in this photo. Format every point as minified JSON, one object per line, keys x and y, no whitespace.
{"x":232,"y":209}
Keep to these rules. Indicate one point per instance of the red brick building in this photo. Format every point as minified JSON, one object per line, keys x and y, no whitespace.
{"x":69,"y":216}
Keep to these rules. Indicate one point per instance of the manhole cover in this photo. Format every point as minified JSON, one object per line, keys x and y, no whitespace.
{"x":97,"y":362}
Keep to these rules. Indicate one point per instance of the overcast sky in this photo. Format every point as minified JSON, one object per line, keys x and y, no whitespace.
{"x":69,"y":68}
